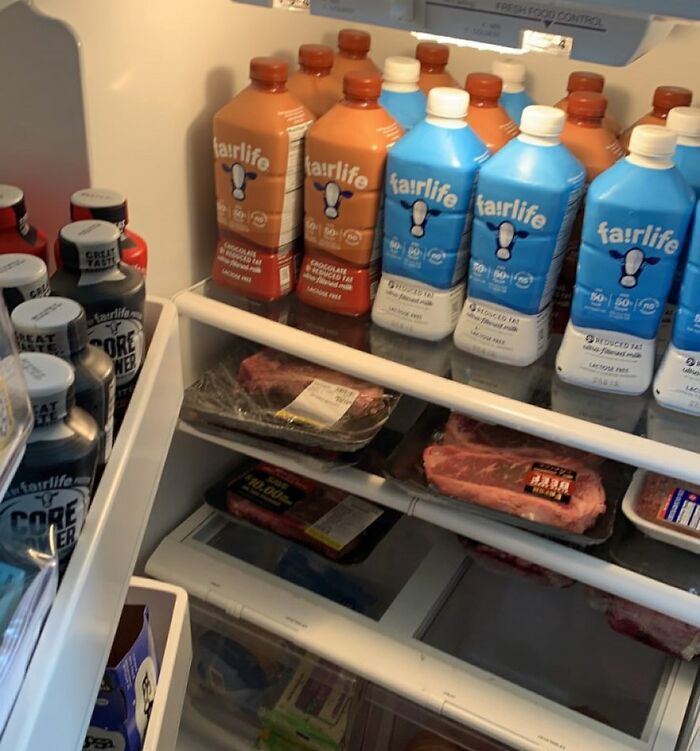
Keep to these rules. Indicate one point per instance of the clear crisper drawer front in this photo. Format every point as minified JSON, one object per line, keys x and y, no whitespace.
{"x":555,"y":637}
{"x":368,"y":587}
{"x":251,"y":689}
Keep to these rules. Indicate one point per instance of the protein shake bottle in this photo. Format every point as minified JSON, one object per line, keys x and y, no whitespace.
{"x":588,"y":138}
{"x":353,"y":46}
{"x":433,"y":59}
{"x":586,"y":80}
{"x":514,"y":97}
{"x":113,"y":295}
{"x":430,"y":181}
{"x":259,"y":176}
{"x":16,"y":234}
{"x":109,"y":206}
{"x":58,"y":326}
{"x":636,"y":218}
{"x":665,"y":99}
{"x":401,"y":97}
{"x":527,"y":197}
{"x":22,"y":277}
{"x":486,"y":116}
{"x":346,"y":153}
{"x":53,"y":485}
{"x":313,"y":84}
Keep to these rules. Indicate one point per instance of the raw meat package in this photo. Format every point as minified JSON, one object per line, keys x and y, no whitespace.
{"x":510,"y":476}
{"x":275,"y":395}
{"x":339,"y":525}
{"x":648,"y":626}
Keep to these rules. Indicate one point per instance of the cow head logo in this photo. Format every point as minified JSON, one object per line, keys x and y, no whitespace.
{"x":239,"y":178}
{"x":332,"y":196}
{"x":506,"y":237}
{"x":47,"y":498}
{"x":114,"y":327}
{"x":420,"y":213}
{"x":633,"y":263}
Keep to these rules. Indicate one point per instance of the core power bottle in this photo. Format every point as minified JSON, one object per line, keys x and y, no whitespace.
{"x":22,"y":277}
{"x":16,"y":234}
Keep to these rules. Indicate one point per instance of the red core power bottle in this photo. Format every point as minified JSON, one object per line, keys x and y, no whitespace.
{"x":108,"y":206}
{"x":16,"y":234}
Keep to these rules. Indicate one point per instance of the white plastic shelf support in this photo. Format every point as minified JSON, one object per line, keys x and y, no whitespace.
{"x":56,"y":701}
{"x":572,"y":431}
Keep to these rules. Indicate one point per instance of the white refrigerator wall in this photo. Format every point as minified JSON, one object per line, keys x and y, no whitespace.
{"x":155,"y":72}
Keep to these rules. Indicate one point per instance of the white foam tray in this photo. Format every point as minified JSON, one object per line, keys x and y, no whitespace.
{"x":656,"y":531}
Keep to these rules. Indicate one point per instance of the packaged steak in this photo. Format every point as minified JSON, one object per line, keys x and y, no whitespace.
{"x":337,"y":524}
{"x":510,"y":476}
{"x":275,"y":395}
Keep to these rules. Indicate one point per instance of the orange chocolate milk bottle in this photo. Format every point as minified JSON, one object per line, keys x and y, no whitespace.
{"x":433,"y":58}
{"x":586,"y":80}
{"x":346,"y":154}
{"x":259,"y":163}
{"x":485,"y":116}
{"x":588,"y":138}
{"x":353,"y":46}
{"x":665,"y":99}
{"x":313,"y":84}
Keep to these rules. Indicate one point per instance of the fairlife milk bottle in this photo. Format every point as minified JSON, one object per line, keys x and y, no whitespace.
{"x":401,"y":97}
{"x":527,"y":196}
{"x":514,"y":97}
{"x":677,"y":383}
{"x":433,"y":59}
{"x":429,"y":188}
{"x":635,"y":222}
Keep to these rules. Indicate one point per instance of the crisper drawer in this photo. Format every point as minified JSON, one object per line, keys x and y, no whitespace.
{"x":58,"y":694}
{"x":522,"y":656}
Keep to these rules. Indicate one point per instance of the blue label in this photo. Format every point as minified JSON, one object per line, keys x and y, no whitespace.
{"x":687,"y":159}
{"x":634,"y":227}
{"x":428,"y":193}
{"x":682,"y":507}
{"x":527,"y":196}
{"x":686,"y":324}
{"x":406,"y":107}
{"x":514,"y":103}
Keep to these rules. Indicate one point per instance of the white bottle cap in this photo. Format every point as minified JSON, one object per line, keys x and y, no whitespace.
{"x":10,"y":195}
{"x":49,"y":385}
{"x":444,"y":101}
{"x":400,"y":69}
{"x":541,"y":120}
{"x":19,"y":269}
{"x":653,"y":141}
{"x":684,"y":121}
{"x":510,"y":71}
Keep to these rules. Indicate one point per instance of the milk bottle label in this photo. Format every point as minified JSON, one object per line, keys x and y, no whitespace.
{"x":120,"y":334}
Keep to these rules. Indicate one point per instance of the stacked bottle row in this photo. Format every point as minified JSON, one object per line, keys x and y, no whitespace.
{"x":82,"y":345}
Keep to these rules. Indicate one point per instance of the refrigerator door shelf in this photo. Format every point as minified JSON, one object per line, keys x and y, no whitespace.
{"x":78,"y":632}
{"x":596,"y":572}
{"x":290,"y":333}
{"x":424,"y":673}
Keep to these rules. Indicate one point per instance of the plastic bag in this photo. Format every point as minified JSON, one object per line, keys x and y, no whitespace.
{"x":272,"y":394}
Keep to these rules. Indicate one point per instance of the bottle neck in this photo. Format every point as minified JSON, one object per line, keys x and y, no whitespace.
{"x":585,"y":121}
{"x":513,"y":88}
{"x":352,"y":54}
{"x":401,"y":88}
{"x":660,"y":112}
{"x":316,"y":72}
{"x":276,"y":87}
{"x":450,"y":123}
{"x":650,"y":162}
{"x":539,"y":140}
{"x":432,"y":67}
{"x":482,"y":102}
{"x":360,"y":103}
{"x":692,"y":141}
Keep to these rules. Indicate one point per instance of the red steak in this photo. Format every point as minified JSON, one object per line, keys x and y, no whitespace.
{"x":552,"y":490}
{"x":283,"y":377}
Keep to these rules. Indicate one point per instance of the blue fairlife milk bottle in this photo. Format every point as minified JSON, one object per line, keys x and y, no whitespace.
{"x":635,"y":222}
{"x":677,"y":382}
{"x":430,"y":178}
{"x":514,"y":97}
{"x":685,"y":123}
{"x":527,"y":196}
{"x":401,"y":97}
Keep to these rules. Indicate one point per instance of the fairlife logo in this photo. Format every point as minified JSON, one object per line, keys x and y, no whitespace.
{"x":634,"y":261}
{"x":651,"y":236}
{"x":338,"y":172}
{"x":517,"y":210}
{"x":430,"y":189}
{"x":239,"y":178}
{"x":242,"y":152}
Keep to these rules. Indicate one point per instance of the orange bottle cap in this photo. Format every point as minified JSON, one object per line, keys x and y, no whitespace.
{"x":484,"y":85}
{"x":354,"y":40}
{"x":432,"y":53}
{"x":585,"y":80}
{"x":359,"y":85}
{"x":668,"y":97}
{"x":316,"y":56}
{"x":586,"y":104}
{"x":268,"y":70}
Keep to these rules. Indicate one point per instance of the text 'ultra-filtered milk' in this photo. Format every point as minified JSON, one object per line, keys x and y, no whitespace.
{"x":527,"y":196}
{"x":429,"y":191}
{"x":635,"y":222}
{"x":259,"y":176}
